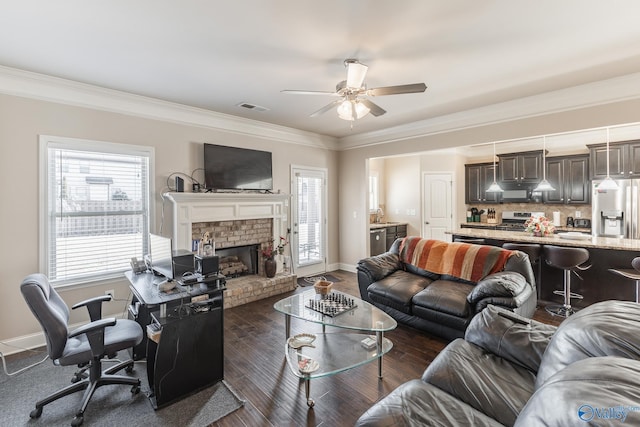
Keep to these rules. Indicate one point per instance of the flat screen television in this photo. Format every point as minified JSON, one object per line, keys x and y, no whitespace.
{"x":161,"y":255}
{"x":233,"y":168}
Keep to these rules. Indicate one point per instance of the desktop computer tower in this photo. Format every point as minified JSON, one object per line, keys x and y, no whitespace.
{"x":182,"y":262}
{"x":207,"y":265}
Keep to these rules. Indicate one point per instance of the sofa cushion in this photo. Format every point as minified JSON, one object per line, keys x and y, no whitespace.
{"x":596,"y":391}
{"x":500,"y":284}
{"x":446,"y":296}
{"x":607,"y":328}
{"x":484,"y":381}
{"x":512,"y":337}
{"x":460,"y":261}
{"x":397,"y":289}
{"x":405,"y":406}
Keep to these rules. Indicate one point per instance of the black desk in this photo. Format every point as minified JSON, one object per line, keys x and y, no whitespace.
{"x":189,"y":354}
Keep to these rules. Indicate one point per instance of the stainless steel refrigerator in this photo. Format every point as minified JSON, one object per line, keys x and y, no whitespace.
{"x":615,"y":213}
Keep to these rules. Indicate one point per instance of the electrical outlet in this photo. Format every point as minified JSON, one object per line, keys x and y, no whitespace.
{"x":110,"y":292}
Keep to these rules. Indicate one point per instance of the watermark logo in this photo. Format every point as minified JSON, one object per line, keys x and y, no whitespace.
{"x":619,"y":412}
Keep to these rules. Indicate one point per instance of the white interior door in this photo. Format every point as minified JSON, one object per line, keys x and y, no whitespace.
{"x":309,"y":224}
{"x":437,"y":211}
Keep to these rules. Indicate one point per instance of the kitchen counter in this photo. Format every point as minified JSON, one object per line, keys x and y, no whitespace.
{"x":488,"y":226}
{"x":375,"y":225}
{"x":592,"y":242}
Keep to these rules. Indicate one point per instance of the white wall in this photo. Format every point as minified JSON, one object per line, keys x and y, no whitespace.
{"x":178,"y":148}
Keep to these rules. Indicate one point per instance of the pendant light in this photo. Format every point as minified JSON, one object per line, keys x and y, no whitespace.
{"x":608,"y":183}
{"x":494,"y":187}
{"x":544,"y":184}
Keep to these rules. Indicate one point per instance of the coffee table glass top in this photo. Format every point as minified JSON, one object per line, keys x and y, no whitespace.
{"x":364,"y":317}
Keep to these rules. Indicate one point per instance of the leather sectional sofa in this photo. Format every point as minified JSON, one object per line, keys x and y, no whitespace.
{"x":512,"y":371}
{"x":439,"y":287}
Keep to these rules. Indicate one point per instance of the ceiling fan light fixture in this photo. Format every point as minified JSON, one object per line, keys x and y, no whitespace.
{"x":356,"y":73}
{"x":352,"y":110}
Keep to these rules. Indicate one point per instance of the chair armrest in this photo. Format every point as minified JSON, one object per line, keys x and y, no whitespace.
{"x":95,"y":334}
{"x":376,"y":268}
{"x":515,"y":338}
{"x":504,"y":284}
{"x":94,"y":306}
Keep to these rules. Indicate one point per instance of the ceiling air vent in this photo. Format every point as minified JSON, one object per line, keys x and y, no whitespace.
{"x":252,"y":107}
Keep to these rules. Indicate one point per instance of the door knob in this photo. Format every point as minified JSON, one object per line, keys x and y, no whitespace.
{"x":426,"y":222}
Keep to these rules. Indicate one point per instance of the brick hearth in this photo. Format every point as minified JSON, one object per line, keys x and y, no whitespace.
{"x":246,"y":289}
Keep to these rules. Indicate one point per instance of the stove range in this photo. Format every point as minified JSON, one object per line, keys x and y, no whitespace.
{"x":514,"y":221}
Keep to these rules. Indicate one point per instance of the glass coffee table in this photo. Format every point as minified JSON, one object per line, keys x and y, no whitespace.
{"x":358,"y":338}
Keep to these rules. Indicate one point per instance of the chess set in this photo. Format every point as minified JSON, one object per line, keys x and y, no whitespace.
{"x":332,"y":304}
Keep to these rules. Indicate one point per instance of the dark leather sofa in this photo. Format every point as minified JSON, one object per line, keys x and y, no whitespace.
{"x":444,"y":304}
{"x":526,"y":374}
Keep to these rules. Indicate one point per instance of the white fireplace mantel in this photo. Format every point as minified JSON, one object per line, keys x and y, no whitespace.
{"x":190,"y":208}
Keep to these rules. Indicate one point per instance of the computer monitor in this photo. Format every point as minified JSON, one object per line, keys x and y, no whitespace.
{"x":161,"y":255}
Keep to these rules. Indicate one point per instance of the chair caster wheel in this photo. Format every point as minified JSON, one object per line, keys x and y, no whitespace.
{"x":77,"y":420}
{"x":129,"y":369}
{"x":135,"y":389}
{"x":36,"y":413}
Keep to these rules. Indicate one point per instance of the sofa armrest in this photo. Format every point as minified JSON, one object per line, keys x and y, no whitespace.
{"x":515,"y":338}
{"x":502,"y":284}
{"x":376,"y":268}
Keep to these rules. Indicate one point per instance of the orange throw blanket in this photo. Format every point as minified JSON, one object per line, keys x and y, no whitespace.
{"x":463,"y":260}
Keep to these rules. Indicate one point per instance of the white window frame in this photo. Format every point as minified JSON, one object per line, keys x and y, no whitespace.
{"x":45,"y":143}
{"x":374,"y":193}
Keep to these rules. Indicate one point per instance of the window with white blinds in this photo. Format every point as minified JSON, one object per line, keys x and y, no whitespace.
{"x":95,"y":208}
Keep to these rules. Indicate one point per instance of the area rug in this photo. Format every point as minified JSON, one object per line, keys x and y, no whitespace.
{"x":310,"y":280}
{"x":111,"y":405}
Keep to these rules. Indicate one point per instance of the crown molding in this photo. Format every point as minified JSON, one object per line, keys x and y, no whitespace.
{"x":28,"y":84}
{"x":613,"y":90}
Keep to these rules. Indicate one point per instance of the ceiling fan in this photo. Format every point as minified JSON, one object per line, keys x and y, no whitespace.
{"x":351,"y":105}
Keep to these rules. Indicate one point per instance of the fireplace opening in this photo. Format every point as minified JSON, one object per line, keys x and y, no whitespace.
{"x":238,"y":260}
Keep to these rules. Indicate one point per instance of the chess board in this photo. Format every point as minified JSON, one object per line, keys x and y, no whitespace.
{"x":332,"y":304}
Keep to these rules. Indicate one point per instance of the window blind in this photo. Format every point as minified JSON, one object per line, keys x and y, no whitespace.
{"x":97,"y":210}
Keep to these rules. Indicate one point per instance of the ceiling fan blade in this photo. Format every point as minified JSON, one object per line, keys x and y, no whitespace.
{"x":309,"y":92}
{"x":356,"y":73}
{"x":375,"y":109}
{"x":326,"y":108}
{"x":395,"y":90}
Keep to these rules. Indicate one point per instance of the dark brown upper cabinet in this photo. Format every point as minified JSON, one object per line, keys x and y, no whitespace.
{"x":624,"y":160}
{"x":569,"y":175}
{"x":521,"y":168}
{"x":478,"y":177}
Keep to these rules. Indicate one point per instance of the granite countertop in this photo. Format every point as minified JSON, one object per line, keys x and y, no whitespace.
{"x":375,"y":225}
{"x":560,"y":229}
{"x":591,"y":242}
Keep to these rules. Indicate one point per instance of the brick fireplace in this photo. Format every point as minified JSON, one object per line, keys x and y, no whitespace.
{"x":235,"y":220}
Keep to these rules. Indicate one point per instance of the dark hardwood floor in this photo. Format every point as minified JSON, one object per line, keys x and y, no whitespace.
{"x":255,"y":367}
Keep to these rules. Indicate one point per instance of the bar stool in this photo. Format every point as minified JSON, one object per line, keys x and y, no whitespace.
{"x":533,"y":250}
{"x":633,"y":274}
{"x":469,"y":240}
{"x":567,"y":259}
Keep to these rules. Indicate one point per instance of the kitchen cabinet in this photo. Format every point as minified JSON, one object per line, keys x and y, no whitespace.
{"x":569,"y":175}
{"x":624,"y":160}
{"x":478,"y":177}
{"x":395,"y":232}
{"x":521,"y":168}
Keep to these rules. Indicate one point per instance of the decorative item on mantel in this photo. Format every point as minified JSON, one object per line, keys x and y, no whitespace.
{"x":539,"y":226}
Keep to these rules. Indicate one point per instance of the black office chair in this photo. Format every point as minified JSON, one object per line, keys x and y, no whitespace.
{"x":86,"y":346}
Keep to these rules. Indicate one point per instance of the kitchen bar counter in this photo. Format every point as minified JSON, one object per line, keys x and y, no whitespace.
{"x":596,"y":283}
{"x":519,"y":236}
